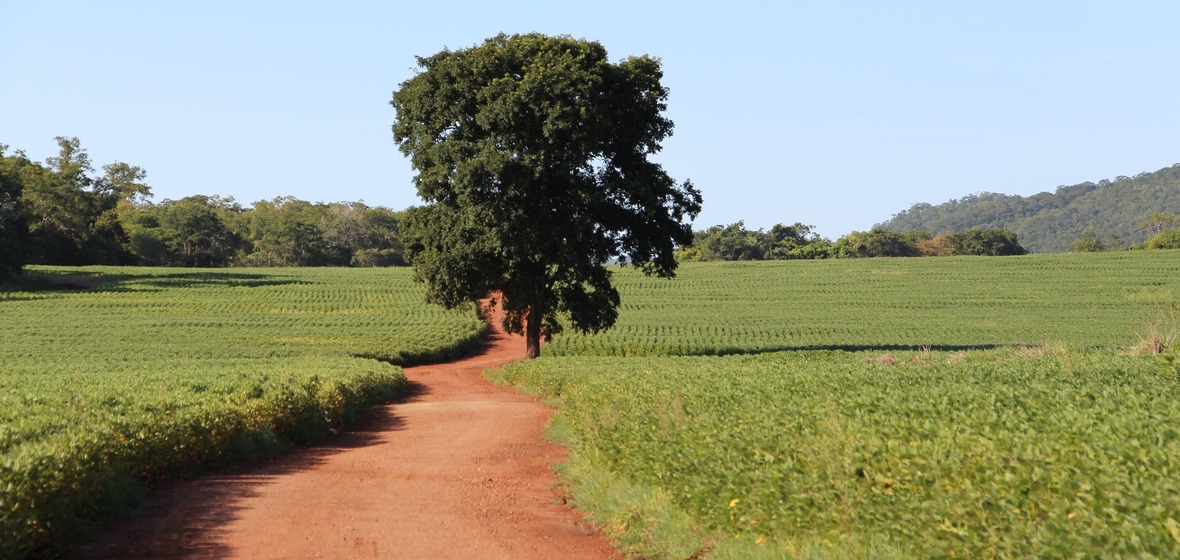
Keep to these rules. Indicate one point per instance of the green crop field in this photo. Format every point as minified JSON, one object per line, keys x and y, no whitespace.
{"x":152,"y":372}
{"x":974,"y":408}
{"x":943,"y":303}
{"x":950,"y":407}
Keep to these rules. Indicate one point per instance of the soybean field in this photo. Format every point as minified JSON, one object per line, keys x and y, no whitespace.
{"x":950,"y":407}
{"x":113,"y":376}
{"x":884,"y":304}
{"x":886,"y":408}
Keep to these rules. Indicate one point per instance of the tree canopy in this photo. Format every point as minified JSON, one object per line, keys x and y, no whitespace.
{"x":13,"y":229}
{"x":532,"y":153}
{"x":1167,"y":239}
{"x":735,"y":242}
{"x":1088,"y":242}
{"x":62,"y":212}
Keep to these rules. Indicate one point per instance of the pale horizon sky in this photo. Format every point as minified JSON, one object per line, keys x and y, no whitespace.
{"x":835,"y":114}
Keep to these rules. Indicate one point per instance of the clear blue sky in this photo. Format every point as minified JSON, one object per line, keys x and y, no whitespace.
{"x":837,"y":114}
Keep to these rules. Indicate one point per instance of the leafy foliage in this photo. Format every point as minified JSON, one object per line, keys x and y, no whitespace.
{"x":175,"y":369}
{"x":878,"y":242}
{"x":1169,"y":239}
{"x":983,"y":242}
{"x":13,"y":229}
{"x":736,"y":243}
{"x":1159,"y":222}
{"x":59,"y":213}
{"x":71,"y":214}
{"x":213,"y":231}
{"x":532,"y":152}
{"x":987,"y":454}
{"x":1050,"y":222}
{"x":1089,"y":242}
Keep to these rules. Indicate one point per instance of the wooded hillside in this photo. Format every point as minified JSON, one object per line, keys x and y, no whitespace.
{"x":1112,"y":210}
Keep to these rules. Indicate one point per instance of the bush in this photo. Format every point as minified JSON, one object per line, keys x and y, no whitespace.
{"x":1167,"y":240}
{"x":1087,"y":243}
{"x":879,"y":242}
{"x":378,"y":257}
{"x":992,"y":242}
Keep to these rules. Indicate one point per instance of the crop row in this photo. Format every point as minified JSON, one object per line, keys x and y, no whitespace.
{"x":150,"y":373}
{"x":979,"y":454}
{"x":953,"y":303}
{"x":959,"y":407}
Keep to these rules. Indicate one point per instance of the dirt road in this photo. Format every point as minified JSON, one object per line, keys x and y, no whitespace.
{"x":458,"y":469}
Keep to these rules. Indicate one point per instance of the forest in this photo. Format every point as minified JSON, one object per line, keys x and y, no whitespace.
{"x":63,"y":212}
{"x":1118,"y":212}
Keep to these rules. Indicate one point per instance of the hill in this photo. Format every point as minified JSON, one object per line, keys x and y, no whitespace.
{"x":1050,"y":222}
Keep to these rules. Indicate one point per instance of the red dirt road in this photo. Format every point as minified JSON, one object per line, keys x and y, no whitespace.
{"x":458,"y":469}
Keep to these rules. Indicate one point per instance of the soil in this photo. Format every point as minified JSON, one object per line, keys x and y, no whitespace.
{"x":457,"y":469}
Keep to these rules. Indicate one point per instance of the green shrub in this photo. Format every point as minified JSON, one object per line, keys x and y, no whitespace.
{"x":1089,"y":242}
{"x":1167,"y":240}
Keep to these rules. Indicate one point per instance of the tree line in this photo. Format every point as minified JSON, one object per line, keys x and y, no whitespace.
{"x":63,"y":212}
{"x":1162,"y":230}
{"x":735,"y":242}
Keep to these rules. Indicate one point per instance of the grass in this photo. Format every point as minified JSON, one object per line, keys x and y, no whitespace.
{"x":1161,"y":334}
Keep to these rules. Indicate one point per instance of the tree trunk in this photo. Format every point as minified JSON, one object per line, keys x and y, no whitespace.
{"x":532,"y":331}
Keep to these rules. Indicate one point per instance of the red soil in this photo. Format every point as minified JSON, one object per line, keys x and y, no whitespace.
{"x":458,"y":469}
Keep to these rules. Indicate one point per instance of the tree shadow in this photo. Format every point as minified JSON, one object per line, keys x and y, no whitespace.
{"x":39,"y":284}
{"x":735,"y":351}
{"x":231,"y":279}
{"x":189,"y":518}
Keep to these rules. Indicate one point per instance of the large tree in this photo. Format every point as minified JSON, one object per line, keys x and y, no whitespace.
{"x":198,"y":231}
{"x":532,"y":153}
{"x":73,"y":217}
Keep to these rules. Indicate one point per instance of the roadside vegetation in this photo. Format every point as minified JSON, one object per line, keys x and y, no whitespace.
{"x":115,"y":377}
